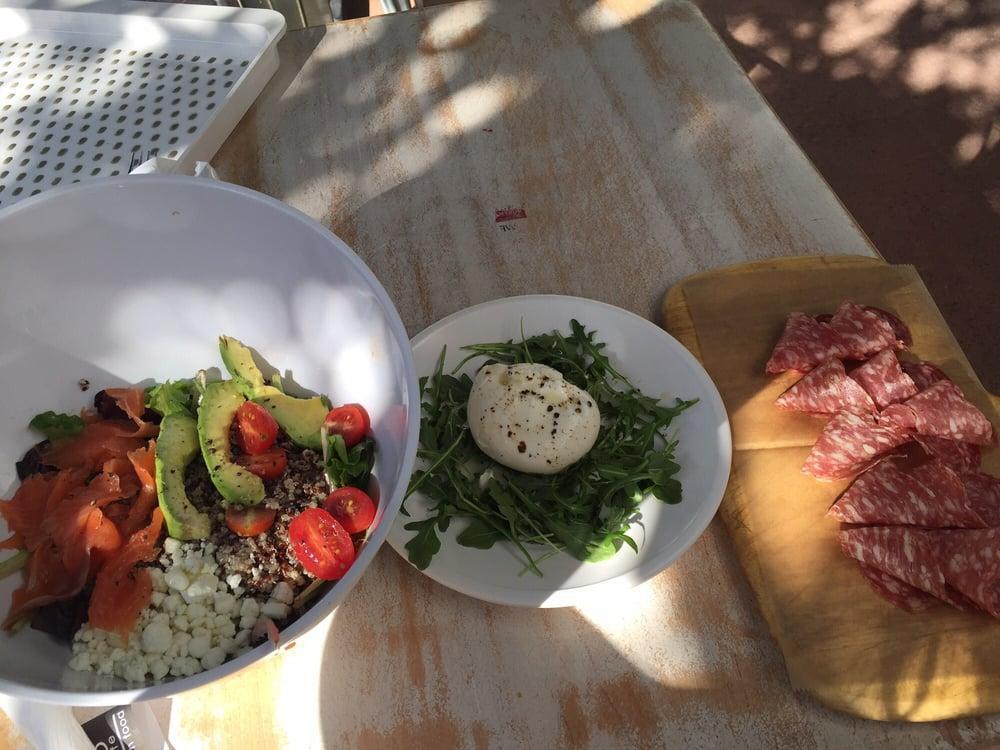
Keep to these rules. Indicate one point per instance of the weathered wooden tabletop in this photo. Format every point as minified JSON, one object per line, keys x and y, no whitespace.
{"x":635,"y":152}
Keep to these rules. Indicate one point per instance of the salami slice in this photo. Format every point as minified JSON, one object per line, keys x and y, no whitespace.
{"x":804,"y":344}
{"x":863,"y":331}
{"x":924,"y":374}
{"x":897,"y":592}
{"x":904,"y":339}
{"x":932,"y":496}
{"x":884,"y":380}
{"x":972,"y":566}
{"x":962,"y":457}
{"x":941,"y":410}
{"x":850,"y":443}
{"x":899,"y":415}
{"x":826,"y":390}
{"x":983,"y":491}
{"x":905,"y":553}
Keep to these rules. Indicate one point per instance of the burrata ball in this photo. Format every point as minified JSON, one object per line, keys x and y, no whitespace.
{"x":528,"y":418}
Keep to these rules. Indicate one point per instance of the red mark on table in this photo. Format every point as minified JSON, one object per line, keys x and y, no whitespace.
{"x":509,"y":214}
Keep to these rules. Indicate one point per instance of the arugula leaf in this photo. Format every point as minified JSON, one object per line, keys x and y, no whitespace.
{"x":424,"y":544}
{"x":479,"y":535}
{"x":349,"y":467}
{"x":171,"y":397}
{"x":56,"y":426}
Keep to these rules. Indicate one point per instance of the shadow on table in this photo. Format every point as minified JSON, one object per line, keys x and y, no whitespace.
{"x":896,"y":105}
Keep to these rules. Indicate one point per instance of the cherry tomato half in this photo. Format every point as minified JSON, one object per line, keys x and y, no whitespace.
{"x":321,"y":544}
{"x":350,"y":421}
{"x":269,"y":465}
{"x":256,"y":428}
{"x":352,"y":507}
{"x":249,"y":521}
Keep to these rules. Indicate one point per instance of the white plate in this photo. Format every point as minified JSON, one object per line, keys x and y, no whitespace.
{"x":658,"y":365}
{"x":122,"y":280}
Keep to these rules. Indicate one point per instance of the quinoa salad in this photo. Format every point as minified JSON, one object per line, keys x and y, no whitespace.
{"x":167,"y":529}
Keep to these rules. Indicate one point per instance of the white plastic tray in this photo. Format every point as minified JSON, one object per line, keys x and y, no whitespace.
{"x":93,"y":89}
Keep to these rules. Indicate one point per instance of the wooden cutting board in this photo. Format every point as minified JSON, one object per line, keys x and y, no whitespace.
{"x":841,"y":642}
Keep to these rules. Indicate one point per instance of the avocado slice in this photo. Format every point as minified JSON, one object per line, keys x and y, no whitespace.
{"x":238,"y":360}
{"x":176,"y":446}
{"x":216,"y":412}
{"x":300,"y":418}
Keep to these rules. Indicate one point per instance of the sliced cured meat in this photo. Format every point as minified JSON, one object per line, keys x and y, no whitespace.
{"x":924,"y":374}
{"x":850,"y":443}
{"x":983,"y":491}
{"x":124,"y":588}
{"x":899,"y":415}
{"x":904,"y":339}
{"x":46,"y":581}
{"x":862,"y":331}
{"x":804,"y":344}
{"x":902,"y":552}
{"x":972,"y":566}
{"x":941,"y":410}
{"x":932,"y":496}
{"x":884,"y":380}
{"x":144,"y":465}
{"x":962,"y":457}
{"x":96,"y":444}
{"x":826,"y":390}
{"x":897,"y":592}
{"x":132,"y":401}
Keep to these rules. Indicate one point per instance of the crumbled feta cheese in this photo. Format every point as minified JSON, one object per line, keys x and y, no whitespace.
{"x":158,"y":669}
{"x":213,"y":657}
{"x":194,"y":621}
{"x":156,"y":638}
{"x":274,"y":610}
{"x":283,"y":593}
{"x":193,"y":563}
{"x":175,"y":578}
{"x":199,"y":646}
{"x":156,"y":576}
{"x":196,"y":611}
{"x":250,"y":608}
{"x":203,"y":586}
{"x":224,"y":603}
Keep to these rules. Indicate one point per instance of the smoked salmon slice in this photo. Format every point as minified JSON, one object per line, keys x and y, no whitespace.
{"x":47,"y":580}
{"x":78,"y":523}
{"x":123,"y":589}
{"x":132,"y":401}
{"x":143,"y":463}
{"x":97,"y":443}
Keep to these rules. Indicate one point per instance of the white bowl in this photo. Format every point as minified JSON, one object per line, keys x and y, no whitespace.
{"x":129,"y":279}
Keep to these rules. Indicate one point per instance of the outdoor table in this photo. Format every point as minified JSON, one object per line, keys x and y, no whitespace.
{"x":600,"y":148}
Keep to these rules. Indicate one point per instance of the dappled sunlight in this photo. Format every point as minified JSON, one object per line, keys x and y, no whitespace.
{"x":479,"y":103}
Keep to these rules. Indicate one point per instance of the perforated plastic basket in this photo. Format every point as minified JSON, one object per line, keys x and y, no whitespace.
{"x":93,"y":89}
